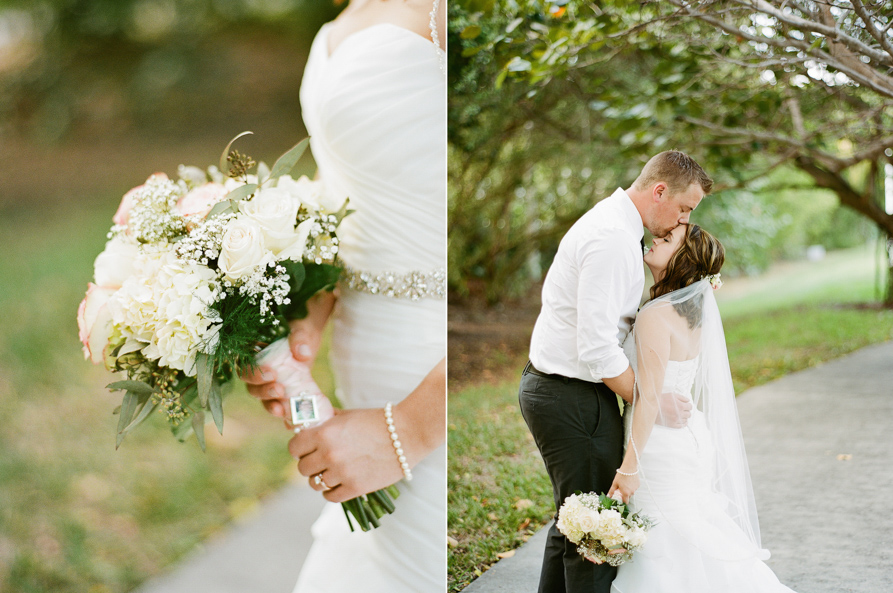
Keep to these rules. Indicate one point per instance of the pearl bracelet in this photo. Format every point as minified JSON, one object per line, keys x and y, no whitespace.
{"x":626,"y":474}
{"x":395,"y":440}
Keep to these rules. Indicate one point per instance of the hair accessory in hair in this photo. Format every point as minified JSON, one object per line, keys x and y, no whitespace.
{"x":714,"y":280}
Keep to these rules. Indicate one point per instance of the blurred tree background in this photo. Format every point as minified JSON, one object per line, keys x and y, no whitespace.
{"x":96,"y":95}
{"x":555,"y":103}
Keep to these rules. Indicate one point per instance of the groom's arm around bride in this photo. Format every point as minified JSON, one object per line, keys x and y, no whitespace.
{"x":590,"y":297}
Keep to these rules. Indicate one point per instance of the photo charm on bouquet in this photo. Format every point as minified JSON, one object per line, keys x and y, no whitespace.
{"x":199,"y":272}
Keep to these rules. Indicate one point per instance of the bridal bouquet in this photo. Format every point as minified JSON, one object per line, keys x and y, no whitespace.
{"x":604,"y":529}
{"x":198,"y":273}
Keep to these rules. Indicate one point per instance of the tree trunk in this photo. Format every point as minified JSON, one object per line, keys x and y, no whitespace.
{"x":888,"y":287}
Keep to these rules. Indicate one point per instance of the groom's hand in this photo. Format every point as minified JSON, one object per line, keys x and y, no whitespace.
{"x":675,"y":410}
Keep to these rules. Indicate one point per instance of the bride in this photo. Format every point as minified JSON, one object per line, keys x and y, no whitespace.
{"x":373,"y":98}
{"x":694,"y":481}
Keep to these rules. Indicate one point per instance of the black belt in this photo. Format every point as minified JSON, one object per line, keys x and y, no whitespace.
{"x":529,"y":368}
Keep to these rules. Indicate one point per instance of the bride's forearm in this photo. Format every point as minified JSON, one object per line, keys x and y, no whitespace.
{"x":644,"y":416}
{"x":420,"y":418}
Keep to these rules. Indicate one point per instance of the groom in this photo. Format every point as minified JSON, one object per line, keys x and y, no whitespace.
{"x":590,"y":298}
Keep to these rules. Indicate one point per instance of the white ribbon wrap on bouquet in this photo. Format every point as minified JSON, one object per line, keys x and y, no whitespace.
{"x":308,"y":406}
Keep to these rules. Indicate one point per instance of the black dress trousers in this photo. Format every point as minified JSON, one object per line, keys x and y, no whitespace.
{"x":579,"y":431}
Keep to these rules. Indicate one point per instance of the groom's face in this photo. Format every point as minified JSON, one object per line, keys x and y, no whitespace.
{"x":672,"y":210}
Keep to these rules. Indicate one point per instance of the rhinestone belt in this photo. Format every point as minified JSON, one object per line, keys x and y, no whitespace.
{"x":412,"y":285}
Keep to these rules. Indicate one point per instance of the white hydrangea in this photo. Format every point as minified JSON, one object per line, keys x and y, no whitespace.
{"x":636,"y":537}
{"x":164,"y":306}
{"x":611,"y":530}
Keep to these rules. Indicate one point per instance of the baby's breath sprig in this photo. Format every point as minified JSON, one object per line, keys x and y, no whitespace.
{"x":154,"y":218}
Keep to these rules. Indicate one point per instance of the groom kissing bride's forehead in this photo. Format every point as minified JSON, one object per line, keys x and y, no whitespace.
{"x":590,"y":298}
{"x":669,"y":188}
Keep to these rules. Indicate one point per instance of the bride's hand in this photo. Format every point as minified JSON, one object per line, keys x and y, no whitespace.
{"x":304,"y":338}
{"x":262,"y":384}
{"x":305,"y":335}
{"x":675,"y":410}
{"x":626,"y":485}
{"x":353,"y":453}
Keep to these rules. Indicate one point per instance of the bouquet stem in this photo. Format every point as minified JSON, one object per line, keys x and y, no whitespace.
{"x":369,"y":508}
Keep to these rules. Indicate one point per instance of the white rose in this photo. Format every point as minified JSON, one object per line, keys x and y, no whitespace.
{"x":243,"y":249}
{"x":275,"y":211}
{"x":588,"y":521}
{"x":115,"y":264}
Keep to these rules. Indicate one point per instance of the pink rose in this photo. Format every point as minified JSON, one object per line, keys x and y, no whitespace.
{"x":199,"y":201}
{"x":94,"y":321}
{"x":294,"y":376}
{"x":123,"y":214}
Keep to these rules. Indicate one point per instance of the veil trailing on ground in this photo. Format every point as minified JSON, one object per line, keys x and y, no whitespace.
{"x":701,"y":470}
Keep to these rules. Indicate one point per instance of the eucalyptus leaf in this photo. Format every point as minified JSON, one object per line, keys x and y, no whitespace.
{"x":240,"y":193}
{"x":198,"y":426}
{"x":143,"y":413}
{"x":182,"y":430}
{"x":223,"y":207}
{"x":263,"y":172}
{"x":128,"y":407}
{"x":216,"y":402}
{"x":224,"y":167}
{"x":135,"y":386}
{"x":204,"y":374}
{"x":286,"y":162}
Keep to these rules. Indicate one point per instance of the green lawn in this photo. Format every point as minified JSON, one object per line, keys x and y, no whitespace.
{"x":499,"y":493}
{"x":76,"y":515}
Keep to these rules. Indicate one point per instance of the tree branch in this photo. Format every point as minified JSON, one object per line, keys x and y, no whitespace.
{"x":881,"y":38}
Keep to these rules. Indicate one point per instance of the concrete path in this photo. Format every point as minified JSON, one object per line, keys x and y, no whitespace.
{"x":820,"y":449}
{"x":260,"y":554}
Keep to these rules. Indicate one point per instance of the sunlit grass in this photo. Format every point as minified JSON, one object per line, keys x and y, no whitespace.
{"x":77,"y":515}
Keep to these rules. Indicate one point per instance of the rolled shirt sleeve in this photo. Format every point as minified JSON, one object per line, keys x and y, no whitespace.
{"x":606,"y":277}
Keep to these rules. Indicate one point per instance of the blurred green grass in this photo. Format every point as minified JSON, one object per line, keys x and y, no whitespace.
{"x":76,"y":514}
{"x":795,"y":317}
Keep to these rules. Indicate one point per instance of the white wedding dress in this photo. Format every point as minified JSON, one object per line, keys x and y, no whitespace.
{"x":695,"y":546}
{"x":376,"y":113}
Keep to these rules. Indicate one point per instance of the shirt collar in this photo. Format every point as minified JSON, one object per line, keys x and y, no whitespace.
{"x":630,"y":214}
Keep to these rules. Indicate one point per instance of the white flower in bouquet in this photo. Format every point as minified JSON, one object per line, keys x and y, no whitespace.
{"x":242,"y":251}
{"x":310,"y":193}
{"x":193,"y":176}
{"x":589,"y":521}
{"x":95,"y":321}
{"x":276,"y":212}
{"x":604,"y":529}
{"x":115,"y":264}
{"x":636,"y":537}
{"x":165,"y":306}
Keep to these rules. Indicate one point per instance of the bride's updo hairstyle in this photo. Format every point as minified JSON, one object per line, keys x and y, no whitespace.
{"x":700,"y":254}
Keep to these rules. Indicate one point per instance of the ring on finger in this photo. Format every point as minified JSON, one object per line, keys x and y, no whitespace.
{"x":317,"y":479}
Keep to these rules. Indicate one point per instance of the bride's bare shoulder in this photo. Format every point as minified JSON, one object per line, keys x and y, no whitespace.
{"x":412,"y":15}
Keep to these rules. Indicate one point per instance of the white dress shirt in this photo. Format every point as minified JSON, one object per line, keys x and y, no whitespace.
{"x":591,"y":294}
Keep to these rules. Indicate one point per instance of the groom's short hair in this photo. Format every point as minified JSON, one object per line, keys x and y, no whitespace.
{"x":676,"y":169}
